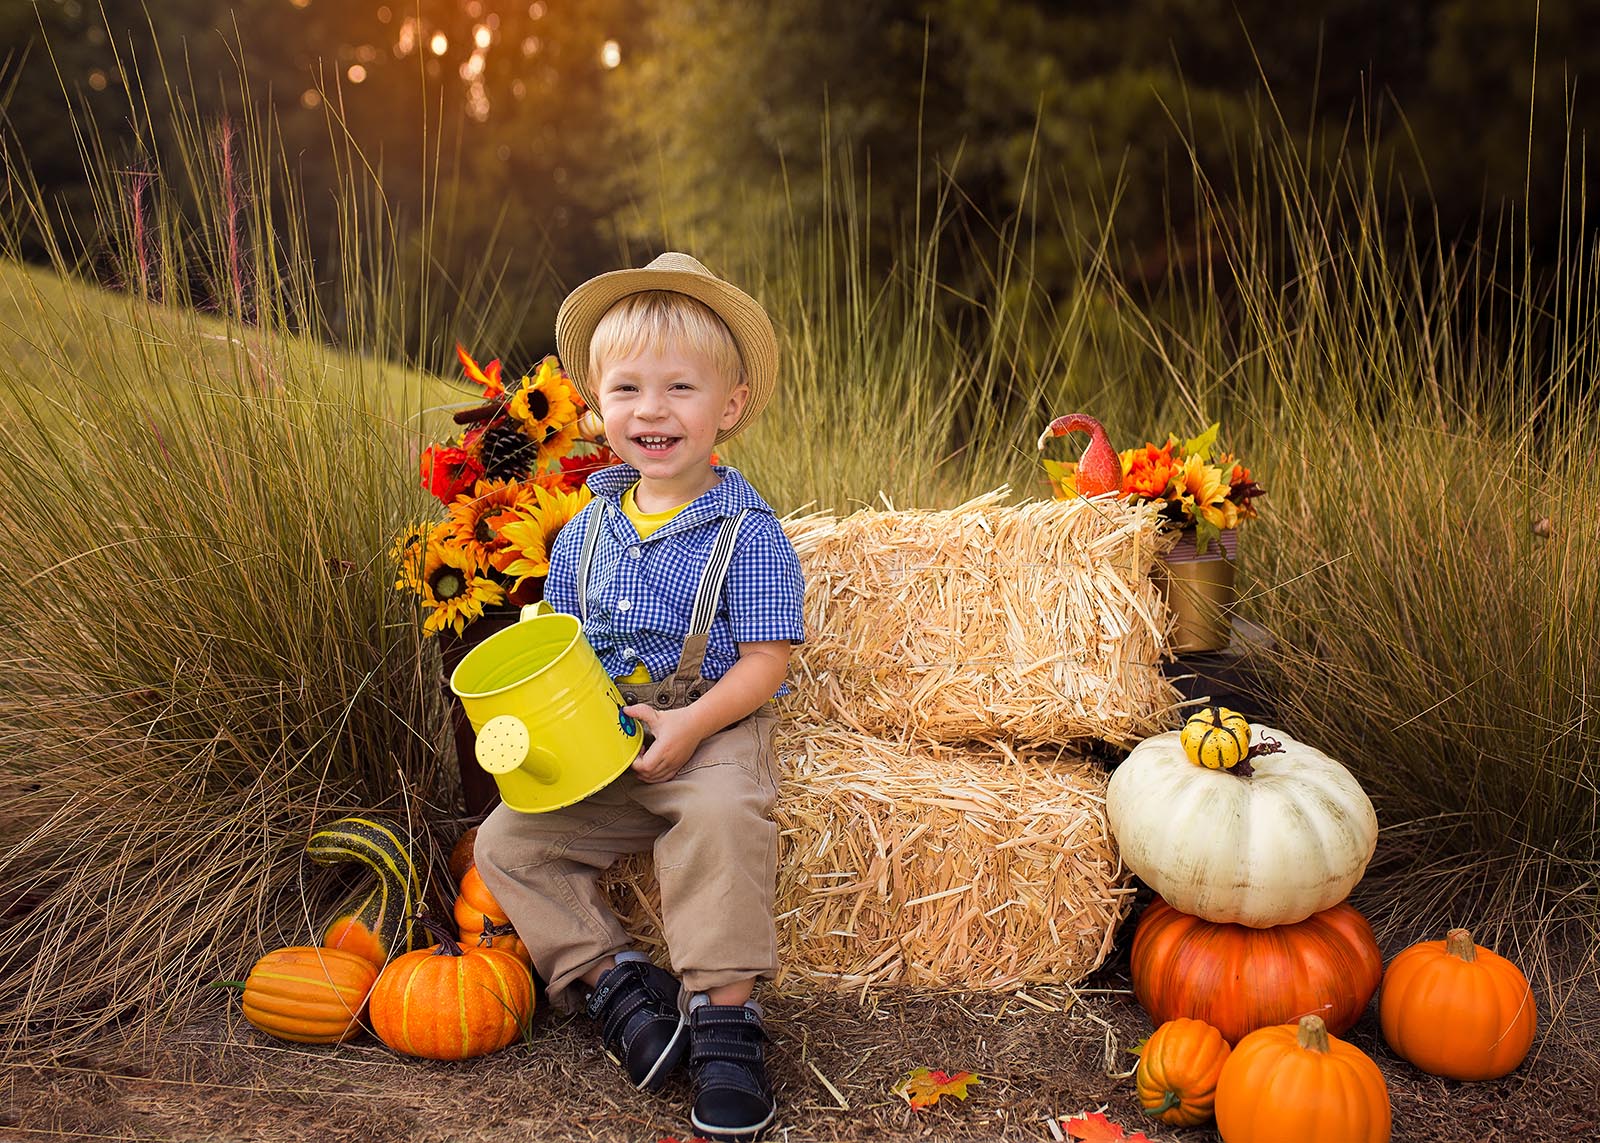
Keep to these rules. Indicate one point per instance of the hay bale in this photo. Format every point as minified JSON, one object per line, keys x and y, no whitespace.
{"x":1034,"y":623}
{"x":927,"y":867}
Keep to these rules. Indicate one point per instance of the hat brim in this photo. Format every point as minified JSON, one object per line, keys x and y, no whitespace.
{"x":743,"y":315}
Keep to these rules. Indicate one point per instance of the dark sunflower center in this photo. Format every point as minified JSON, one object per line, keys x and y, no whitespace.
{"x":538,"y":405}
{"x":447,"y":583}
{"x":484,"y":533}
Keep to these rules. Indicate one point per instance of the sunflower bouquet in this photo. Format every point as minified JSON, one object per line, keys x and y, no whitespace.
{"x":1195,"y":489}
{"x":508,"y":482}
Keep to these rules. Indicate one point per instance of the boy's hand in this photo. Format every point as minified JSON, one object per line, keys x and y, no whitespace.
{"x":676,"y":733}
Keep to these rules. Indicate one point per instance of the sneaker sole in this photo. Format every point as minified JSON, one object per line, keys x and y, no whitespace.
{"x":671,"y":1056}
{"x":750,"y":1132}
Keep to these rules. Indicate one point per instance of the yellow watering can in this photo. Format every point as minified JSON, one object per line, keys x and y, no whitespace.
{"x":548,"y":718}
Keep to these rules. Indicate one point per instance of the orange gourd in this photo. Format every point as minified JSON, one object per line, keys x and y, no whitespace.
{"x":1296,"y":1082}
{"x":1453,"y":1009}
{"x":308,"y":995}
{"x":474,"y":903}
{"x":1238,"y":979}
{"x":451,"y":1003}
{"x":1178,"y":1070}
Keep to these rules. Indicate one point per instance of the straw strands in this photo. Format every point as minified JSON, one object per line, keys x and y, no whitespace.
{"x":927,"y":866}
{"x":1034,"y":623}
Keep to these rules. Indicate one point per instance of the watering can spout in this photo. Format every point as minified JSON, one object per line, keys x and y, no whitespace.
{"x":504,"y":745}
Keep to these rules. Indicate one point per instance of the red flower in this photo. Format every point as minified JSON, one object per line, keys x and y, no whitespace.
{"x":576,"y":470}
{"x":448,"y":472}
{"x":488,"y":377}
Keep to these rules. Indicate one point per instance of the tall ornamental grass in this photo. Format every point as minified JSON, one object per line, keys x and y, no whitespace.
{"x":203,"y":656}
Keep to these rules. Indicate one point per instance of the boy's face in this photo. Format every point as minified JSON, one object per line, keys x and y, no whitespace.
{"x":662,"y":411}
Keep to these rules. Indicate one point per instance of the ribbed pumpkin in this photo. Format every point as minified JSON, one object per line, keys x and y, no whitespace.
{"x":451,"y":1003}
{"x":1238,"y":979}
{"x":308,"y":995}
{"x":1296,"y":1082}
{"x":1178,"y":1069}
{"x":1265,"y":843}
{"x":481,"y":920}
{"x":461,"y":856}
{"x":373,"y":921}
{"x":1215,"y":737}
{"x":1457,"y":1010}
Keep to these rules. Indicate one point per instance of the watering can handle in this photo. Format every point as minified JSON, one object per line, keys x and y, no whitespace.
{"x":534,"y":610}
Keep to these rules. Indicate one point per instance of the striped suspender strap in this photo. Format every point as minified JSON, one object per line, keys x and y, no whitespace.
{"x":591,"y":538}
{"x":687,"y":675}
{"x":715,"y":574}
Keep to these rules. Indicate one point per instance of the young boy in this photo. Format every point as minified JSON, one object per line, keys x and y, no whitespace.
{"x":690,"y":593}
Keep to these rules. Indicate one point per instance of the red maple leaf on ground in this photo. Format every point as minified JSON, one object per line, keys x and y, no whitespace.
{"x":1094,"y":1127}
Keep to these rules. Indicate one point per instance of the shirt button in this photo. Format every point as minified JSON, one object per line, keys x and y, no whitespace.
{"x":636,"y":552}
{"x":629,"y":653}
{"x":623,"y":605}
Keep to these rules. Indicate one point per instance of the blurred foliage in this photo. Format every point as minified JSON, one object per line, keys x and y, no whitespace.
{"x":543,"y":162}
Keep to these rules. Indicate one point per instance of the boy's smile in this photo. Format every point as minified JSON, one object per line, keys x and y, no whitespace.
{"x":662,"y":411}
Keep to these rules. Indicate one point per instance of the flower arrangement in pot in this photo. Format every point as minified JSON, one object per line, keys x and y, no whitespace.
{"x":508,"y":482}
{"x":1197,"y":487}
{"x":1204,"y":497}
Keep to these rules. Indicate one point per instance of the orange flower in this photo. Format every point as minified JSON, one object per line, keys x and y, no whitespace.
{"x":489,"y":378}
{"x":1148,"y":471}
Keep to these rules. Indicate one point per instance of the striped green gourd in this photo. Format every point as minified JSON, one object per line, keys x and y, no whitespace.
{"x":374,"y":921}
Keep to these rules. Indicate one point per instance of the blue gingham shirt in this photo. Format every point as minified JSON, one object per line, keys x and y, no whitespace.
{"x":641,"y":593}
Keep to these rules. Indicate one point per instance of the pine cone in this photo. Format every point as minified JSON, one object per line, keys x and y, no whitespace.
{"x":507,"y":454}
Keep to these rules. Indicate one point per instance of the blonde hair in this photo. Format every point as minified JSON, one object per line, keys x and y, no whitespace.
{"x":655,"y":320}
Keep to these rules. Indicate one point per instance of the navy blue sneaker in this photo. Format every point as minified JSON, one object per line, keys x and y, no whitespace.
{"x":636,"y":1006}
{"x":732,"y":1096}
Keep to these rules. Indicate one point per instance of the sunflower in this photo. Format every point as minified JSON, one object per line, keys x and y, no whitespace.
{"x":546,"y":409}
{"x":528,"y":540}
{"x":1203,"y":491}
{"x":453,"y":590}
{"x":475,"y":520}
{"x":408,"y":554}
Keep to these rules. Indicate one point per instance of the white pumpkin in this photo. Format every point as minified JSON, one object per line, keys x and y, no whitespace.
{"x":1291,"y":839}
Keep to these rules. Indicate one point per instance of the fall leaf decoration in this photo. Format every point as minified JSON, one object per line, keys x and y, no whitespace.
{"x":922,"y":1087}
{"x":1094,"y":1127}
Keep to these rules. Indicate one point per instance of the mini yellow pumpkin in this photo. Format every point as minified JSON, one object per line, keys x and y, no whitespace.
{"x":1216,"y":738}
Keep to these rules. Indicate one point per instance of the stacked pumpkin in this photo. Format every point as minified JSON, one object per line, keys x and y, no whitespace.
{"x":454,"y":1000}
{"x":1253,"y":841}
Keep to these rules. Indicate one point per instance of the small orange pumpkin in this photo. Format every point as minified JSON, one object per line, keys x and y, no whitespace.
{"x":1297,"y":1082}
{"x":461,"y":856}
{"x":308,"y":995}
{"x":450,"y":1003}
{"x":1178,"y":1069}
{"x":1454,"y":1009}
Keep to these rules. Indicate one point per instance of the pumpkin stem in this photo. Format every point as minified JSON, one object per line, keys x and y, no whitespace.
{"x":1169,"y":1100}
{"x":447,"y":939}
{"x":1458,"y":943}
{"x":1243,"y":769}
{"x":1313,"y":1034}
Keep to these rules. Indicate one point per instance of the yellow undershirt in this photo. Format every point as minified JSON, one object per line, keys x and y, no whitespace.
{"x":646,"y":524}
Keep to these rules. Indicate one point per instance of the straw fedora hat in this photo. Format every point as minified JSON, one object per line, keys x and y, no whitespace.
{"x":743,"y":315}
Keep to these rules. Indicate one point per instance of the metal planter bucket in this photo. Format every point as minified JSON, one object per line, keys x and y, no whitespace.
{"x":548,"y":718}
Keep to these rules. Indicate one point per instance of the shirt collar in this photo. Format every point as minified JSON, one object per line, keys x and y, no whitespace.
{"x":731,"y":495}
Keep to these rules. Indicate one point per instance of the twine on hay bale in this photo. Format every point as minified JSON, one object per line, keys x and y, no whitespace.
{"x":1035,"y":623}
{"x":927,"y":866}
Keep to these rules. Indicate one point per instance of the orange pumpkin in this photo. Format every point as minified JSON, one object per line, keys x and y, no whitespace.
{"x":1238,"y":979}
{"x":308,"y":995}
{"x":1178,"y":1069}
{"x":450,"y":1003}
{"x":474,"y":903}
{"x":1297,"y":1082}
{"x":1457,"y":1010}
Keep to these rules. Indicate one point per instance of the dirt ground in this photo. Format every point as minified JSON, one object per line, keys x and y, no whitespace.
{"x":1048,"y":1053}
